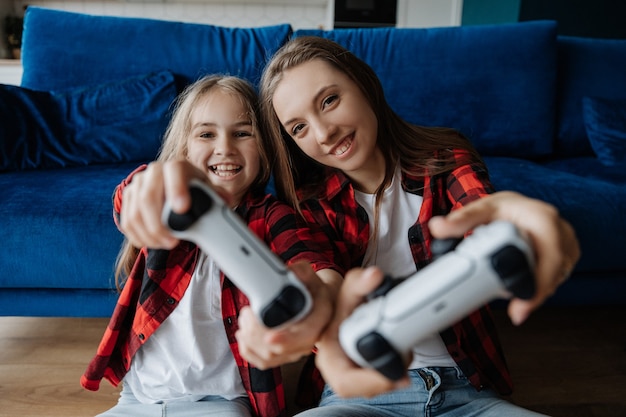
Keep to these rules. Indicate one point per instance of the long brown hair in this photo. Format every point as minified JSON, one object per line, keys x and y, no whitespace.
{"x":419,"y":150}
{"x":175,"y":142}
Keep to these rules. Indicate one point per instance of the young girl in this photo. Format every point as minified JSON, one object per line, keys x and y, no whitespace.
{"x":171,"y":339}
{"x":373,"y":182}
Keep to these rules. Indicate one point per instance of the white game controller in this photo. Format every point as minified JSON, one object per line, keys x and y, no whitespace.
{"x":275,"y":293}
{"x":494,"y":262}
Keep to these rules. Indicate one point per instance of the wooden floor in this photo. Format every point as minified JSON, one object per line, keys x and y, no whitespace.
{"x":568,"y":362}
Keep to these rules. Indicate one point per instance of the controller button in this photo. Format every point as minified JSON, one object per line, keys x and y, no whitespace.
{"x":288,"y":304}
{"x":440,"y":247}
{"x":200,"y":204}
{"x":508,"y":260}
{"x":511,"y":264}
{"x":387,"y":285}
{"x":373,"y":345}
{"x":375,"y":349}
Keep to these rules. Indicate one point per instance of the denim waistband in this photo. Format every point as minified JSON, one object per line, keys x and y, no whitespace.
{"x":435,"y":374}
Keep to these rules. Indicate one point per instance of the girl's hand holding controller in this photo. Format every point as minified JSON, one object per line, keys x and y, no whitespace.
{"x":494,"y":262}
{"x":556,"y":247}
{"x":268,"y":348}
{"x":338,"y":370}
{"x":556,"y":252}
{"x":144,"y":198}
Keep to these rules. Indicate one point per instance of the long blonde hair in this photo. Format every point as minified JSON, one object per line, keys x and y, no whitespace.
{"x":175,"y":142}
{"x":414,"y":147}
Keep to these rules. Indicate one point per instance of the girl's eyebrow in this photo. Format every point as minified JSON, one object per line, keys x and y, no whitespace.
{"x":213,"y":124}
{"x":244,"y":123}
{"x":316,"y":97}
{"x":203,"y":124}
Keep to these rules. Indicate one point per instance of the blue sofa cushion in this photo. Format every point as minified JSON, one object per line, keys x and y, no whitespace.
{"x":114,"y":122}
{"x":58,"y":227}
{"x":495,"y":83}
{"x":595,"y":207}
{"x":87,"y":49}
{"x":589,"y":167}
{"x":587,"y":67}
{"x":605,"y":122}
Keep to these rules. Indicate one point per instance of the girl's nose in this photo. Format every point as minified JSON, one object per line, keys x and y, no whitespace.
{"x":324,"y":131}
{"x":223,"y":145}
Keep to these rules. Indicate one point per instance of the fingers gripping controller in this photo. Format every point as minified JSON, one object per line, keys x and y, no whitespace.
{"x":275,"y":293}
{"x":494,"y":262}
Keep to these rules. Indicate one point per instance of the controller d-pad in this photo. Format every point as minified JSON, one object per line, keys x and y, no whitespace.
{"x":514,"y":270}
{"x":375,"y":349}
{"x":288,"y":304}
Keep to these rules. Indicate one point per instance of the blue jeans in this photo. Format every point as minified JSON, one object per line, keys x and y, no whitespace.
{"x":212,"y":405}
{"x":433,"y":392}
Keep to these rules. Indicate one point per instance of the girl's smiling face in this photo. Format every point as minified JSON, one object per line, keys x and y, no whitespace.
{"x":223,"y":143}
{"x":331,"y":121}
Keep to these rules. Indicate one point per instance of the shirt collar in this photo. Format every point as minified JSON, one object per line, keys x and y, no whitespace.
{"x":336,"y":181}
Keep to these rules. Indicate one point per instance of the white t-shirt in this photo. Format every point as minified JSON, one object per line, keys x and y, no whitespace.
{"x":392,"y":253}
{"x":188,"y":356}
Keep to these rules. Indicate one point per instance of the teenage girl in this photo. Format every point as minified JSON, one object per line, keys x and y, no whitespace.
{"x":374,"y":182}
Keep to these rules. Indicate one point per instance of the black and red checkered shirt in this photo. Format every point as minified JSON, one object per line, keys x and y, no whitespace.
{"x":472,"y":342}
{"x":160,"y":278}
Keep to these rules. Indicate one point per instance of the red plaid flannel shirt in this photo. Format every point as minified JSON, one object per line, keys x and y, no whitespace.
{"x":160,"y":278}
{"x":472,"y":342}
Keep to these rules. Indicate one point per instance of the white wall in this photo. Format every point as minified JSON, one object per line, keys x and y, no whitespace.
{"x":429,"y":13}
{"x":251,"y":13}
{"x":301,"y":14}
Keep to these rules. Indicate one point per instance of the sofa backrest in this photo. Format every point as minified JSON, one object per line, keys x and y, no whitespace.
{"x":594,"y":68}
{"x":494,"y":83}
{"x":64,"y":50}
{"x":513,"y":89}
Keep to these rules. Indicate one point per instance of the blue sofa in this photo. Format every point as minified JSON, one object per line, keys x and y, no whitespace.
{"x":547,"y":112}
